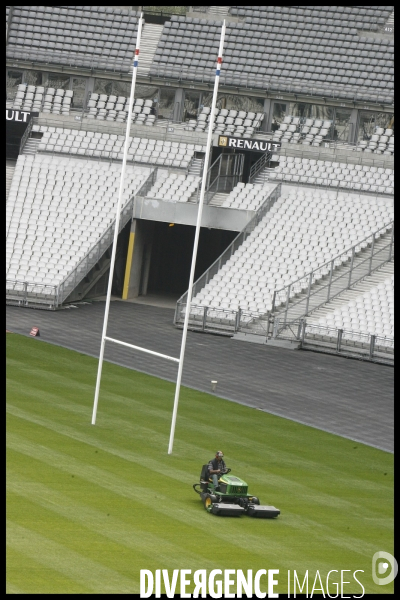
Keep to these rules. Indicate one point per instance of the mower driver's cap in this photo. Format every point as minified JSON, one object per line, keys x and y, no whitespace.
{"x":219,"y":453}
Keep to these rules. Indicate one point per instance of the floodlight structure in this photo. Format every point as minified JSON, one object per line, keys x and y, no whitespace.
{"x":104,"y":337}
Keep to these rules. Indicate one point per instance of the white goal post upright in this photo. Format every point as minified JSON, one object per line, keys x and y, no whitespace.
{"x":196,"y":238}
{"x":104,"y":337}
{"x":117,"y":219}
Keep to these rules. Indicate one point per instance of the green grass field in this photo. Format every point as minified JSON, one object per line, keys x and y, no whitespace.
{"x":89,"y":506}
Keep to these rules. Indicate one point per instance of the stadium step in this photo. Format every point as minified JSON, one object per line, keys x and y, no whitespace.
{"x":389,"y":23}
{"x":219,"y":11}
{"x":31,"y":146}
{"x":362,"y":286}
{"x":262,"y":177}
{"x":150,"y":37}
{"x":218,"y":199}
{"x":196,"y":168}
{"x":9,"y":175}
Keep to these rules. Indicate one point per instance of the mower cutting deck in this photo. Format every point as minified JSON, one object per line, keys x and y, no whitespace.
{"x":231,"y":499}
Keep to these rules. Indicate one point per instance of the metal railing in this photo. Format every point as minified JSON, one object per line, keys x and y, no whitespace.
{"x":325,"y":183}
{"x":329,"y":285}
{"x":200,"y":9}
{"x":158,"y":132}
{"x":56,"y":57}
{"x":51,"y":297}
{"x":219,"y":179}
{"x":112,"y":155}
{"x":152,"y":15}
{"x":209,"y":319}
{"x":25,"y":135}
{"x":341,"y":154}
{"x":230,"y":250}
{"x":22,"y":293}
{"x":259,"y":165}
{"x":94,"y":254}
{"x":252,"y":81}
{"x":346,"y":342}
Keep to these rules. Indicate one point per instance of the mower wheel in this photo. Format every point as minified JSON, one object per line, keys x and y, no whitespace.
{"x":255,"y":501}
{"x":207,"y":502}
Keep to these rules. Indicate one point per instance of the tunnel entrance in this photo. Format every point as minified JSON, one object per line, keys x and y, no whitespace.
{"x":171,"y":255}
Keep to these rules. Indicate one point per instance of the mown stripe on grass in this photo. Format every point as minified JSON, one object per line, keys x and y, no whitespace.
{"x":167,"y":507}
{"x":272,"y":480}
{"x":25,"y":575}
{"x":89,"y":573}
{"x":330,"y":494}
{"x":136,"y":538}
{"x":86,"y":438}
{"x":11,"y":588}
{"x":282,"y":439}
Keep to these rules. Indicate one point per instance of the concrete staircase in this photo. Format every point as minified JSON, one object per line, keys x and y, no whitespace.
{"x":262,"y":176}
{"x":219,"y":12}
{"x":9,"y":175}
{"x":390,"y":23}
{"x":196,"y":168}
{"x":359,"y":288}
{"x":151,"y":34}
{"x":31,"y":146}
{"x":218,"y":199}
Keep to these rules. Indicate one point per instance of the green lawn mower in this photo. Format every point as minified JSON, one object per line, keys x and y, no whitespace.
{"x":232,"y":498}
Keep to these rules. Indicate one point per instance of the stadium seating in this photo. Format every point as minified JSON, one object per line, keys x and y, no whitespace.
{"x":41,"y":99}
{"x":284,"y":51}
{"x":333,"y":174}
{"x":247,"y":196}
{"x":115,"y":108}
{"x":326,"y":53}
{"x":106,"y":145}
{"x":313,"y":132}
{"x":56,"y":211}
{"x":381,"y":142}
{"x":89,"y":36}
{"x":329,"y":17}
{"x":303,"y":230}
{"x":173,"y":187}
{"x":309,"y":132}
{"x":371,"y":312}
{"x":228,"y":122}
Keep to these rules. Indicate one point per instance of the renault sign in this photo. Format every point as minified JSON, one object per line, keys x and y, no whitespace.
{"x":227,"y":141}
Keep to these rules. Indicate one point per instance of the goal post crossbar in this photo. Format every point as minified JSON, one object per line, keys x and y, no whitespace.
{"x":108,"y":339}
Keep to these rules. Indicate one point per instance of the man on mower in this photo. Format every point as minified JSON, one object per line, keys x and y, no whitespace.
{"x":216,"y":468}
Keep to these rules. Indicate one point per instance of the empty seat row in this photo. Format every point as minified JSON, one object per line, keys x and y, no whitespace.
{"x":41,"y":99}
{"x":83,"y":37}
{"x":89,"y":143}
{"x":56,"y":212}
{"x":329,"y":173}
{"x":247,"y":196}
{"x":296,"y":130}
{"x":303,"y":231}
{"x":115,"y":108}
{"x":380,"y":142}
{"x":335,"y":17}
{"x":173,"y":187}
{"x":187,"y":51}
{"x":228,"y":122}
{"x":371,"y":312}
